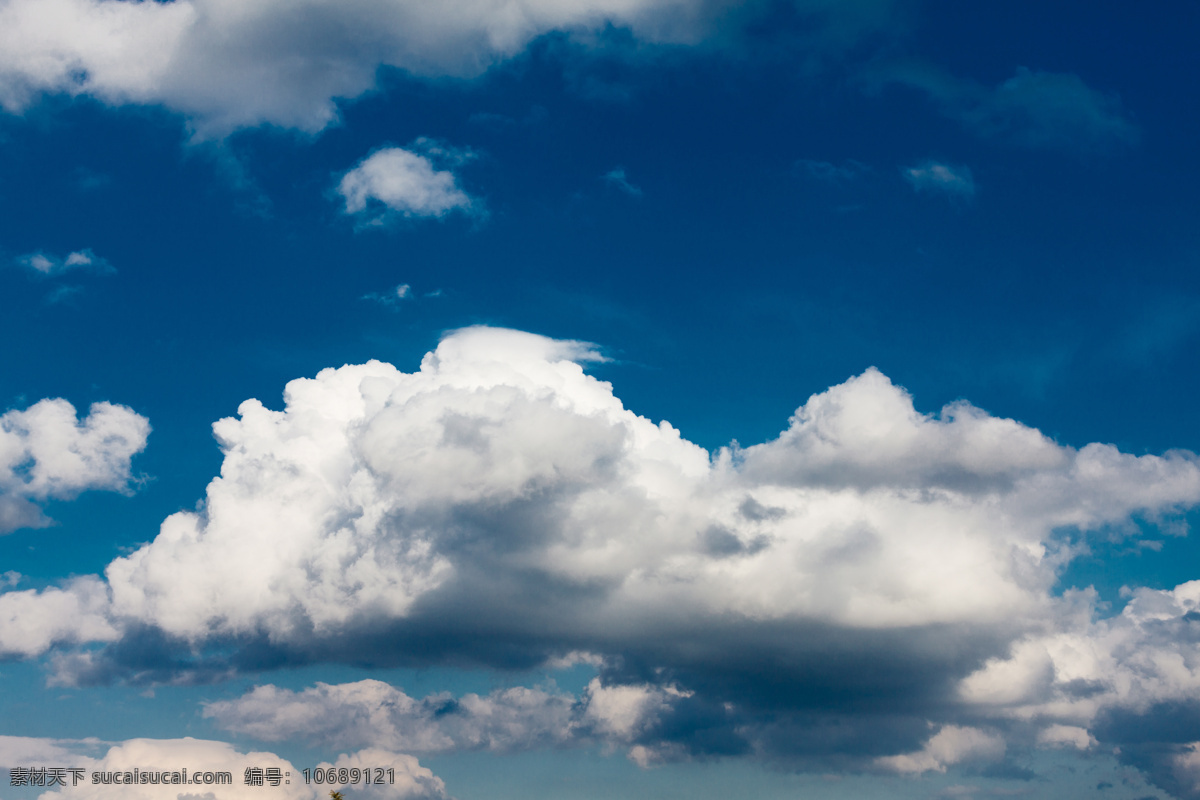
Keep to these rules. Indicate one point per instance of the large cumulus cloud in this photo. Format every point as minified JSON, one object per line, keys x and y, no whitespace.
{"x":233,"y":64}
{"x":873,"y":587}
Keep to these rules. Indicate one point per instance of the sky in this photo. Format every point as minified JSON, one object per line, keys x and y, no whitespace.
{"x":599,"y":399}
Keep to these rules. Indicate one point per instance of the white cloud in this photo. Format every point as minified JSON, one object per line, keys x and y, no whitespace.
{"x":47,"y":452}
{"x":119,"y":770}
{"x":45,"y":264}
{"x":954,"y":181}
{"x":228,"y":65}
{"x":1144,"y":656}
{"x":403,"y":182}
{"x":368,"y":494}
{"x":32,"y":621}
{"x":1066,"y":736}
{"x":951,"y":745}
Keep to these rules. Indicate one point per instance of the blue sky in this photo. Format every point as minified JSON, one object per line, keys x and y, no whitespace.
{"x":595,"y":399}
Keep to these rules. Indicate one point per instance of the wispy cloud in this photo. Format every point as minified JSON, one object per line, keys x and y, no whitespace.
{"x":392,"y":298}
{"x":47,"y":264}
{"x":618,"y":180}
{"x":934,"y":176}
{"x":1033,"y":108}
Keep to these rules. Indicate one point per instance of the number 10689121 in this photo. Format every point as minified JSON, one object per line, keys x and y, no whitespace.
{"x":340,"y":776}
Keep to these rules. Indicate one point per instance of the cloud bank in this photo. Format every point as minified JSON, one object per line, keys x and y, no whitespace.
{"x":47,"y":452}
{"x":233,"y":65}
{"x":872,"y":589}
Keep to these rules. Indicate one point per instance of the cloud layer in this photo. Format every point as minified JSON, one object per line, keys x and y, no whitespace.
{"x":47,"y":452}
{"x":874,"y":587}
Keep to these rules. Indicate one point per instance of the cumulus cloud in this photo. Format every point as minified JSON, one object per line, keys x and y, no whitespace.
{"x":118,"y":773}
{"x":232,"y":65}
{"x":1032,"y":109}
{"x":933,"y":176}
{"x":47,"y":452}
{"x":500,"y":507}
{"x":371,"y":712}
{"x":46,"y":264}
{"x":402,"y":182}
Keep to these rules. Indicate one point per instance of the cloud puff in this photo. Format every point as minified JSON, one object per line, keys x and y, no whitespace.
{"x":402,"y":182}
{"x":45,"y":264}
{"x":47,"y":452}
{"x":951,"y":745}
{"x":1032,"y":108}
{"x":117,"y":774}
{"x":232,"y":65}
{"x":500,"y":507}
{"x":937,"y":177}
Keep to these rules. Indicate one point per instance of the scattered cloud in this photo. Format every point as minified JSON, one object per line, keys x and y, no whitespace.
{"x":46,"y":452}
{"x":406,"y":183}
{"x":392,"y":298}
{"x":229,"y":66}
{"x":50,"y":265}
{"x":1033,"y":108}
{"x":617,"y":179}
{"x":933,"y":176}
{"x":213,"y":769}
{"x":500,"y":507}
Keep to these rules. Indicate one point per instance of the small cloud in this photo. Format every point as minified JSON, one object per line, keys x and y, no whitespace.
{"x":399,"y":294}
{"x":396,"y":181}
{"x":49,"y":265}
{"x":829,"y":172}
{"x":617,"y":179}
{"x":953,"y":181}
